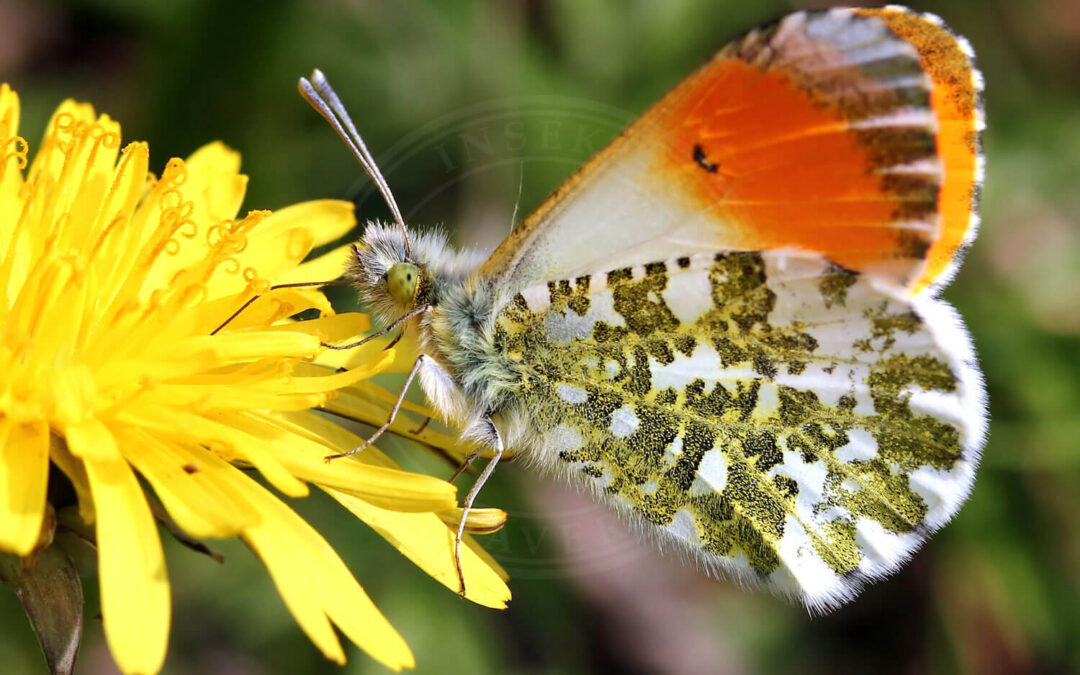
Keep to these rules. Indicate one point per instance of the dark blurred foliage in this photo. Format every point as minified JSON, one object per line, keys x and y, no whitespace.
{"x":466,"y":104}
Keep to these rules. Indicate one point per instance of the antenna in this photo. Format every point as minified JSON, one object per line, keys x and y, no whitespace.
{"x":324,"y":99}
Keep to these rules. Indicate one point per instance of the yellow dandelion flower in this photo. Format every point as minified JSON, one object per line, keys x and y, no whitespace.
{"x":112,"y":284}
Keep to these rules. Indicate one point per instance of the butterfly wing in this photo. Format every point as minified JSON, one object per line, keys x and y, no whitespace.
{"x":782,"y":419}
{"x":849,"y":133}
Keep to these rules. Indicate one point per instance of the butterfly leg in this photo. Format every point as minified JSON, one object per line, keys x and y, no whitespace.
{"x":383,"y":331}
{"x":470,"y":498}
{"x":420,"y":429}
{"x":393,"y":412}
{"x":465,"y":464}
{"x":301,"y":284}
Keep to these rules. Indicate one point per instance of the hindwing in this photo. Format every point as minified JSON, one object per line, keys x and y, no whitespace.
{"x":784,"y":419}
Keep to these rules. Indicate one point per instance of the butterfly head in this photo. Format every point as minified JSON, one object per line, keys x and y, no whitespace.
{"x":391,"y":277}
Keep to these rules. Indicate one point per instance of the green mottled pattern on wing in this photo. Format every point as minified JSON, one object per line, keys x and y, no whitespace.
{"x":770,"y":412}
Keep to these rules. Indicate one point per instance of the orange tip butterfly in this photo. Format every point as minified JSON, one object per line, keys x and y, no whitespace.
{"x":726,"y":324}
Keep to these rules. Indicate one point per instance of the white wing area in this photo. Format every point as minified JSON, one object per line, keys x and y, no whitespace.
{"x":779,"y":419}
{"x":617,"y":200}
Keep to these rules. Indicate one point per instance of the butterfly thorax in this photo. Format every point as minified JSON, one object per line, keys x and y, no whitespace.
{"x":486,"y":381}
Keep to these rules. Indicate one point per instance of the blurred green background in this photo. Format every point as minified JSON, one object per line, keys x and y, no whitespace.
{"x":467,"y":104}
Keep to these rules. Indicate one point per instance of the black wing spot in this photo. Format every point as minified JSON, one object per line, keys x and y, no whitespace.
{"x":703,"y":162}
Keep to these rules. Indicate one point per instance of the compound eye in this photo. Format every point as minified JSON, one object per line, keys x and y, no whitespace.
{"x":401,"y":281}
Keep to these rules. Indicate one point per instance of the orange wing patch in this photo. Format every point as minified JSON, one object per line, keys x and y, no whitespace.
{"x":785,"y":170}
{"x":862,"y":149}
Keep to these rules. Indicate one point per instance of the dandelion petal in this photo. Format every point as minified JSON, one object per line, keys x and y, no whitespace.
{"x":135,"y":599}
{"x":317,"y":587}
{"x":214,"y":182}
{"x":429,"y":543}
{"x":186,"y":480}
{"x":24,"y":471}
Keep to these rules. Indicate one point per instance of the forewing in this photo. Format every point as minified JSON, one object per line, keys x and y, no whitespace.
{"x":849,"y":133}
{"x":783,"y":419}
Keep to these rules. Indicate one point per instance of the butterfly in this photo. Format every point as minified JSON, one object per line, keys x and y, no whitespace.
{"x":726,"y":324}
